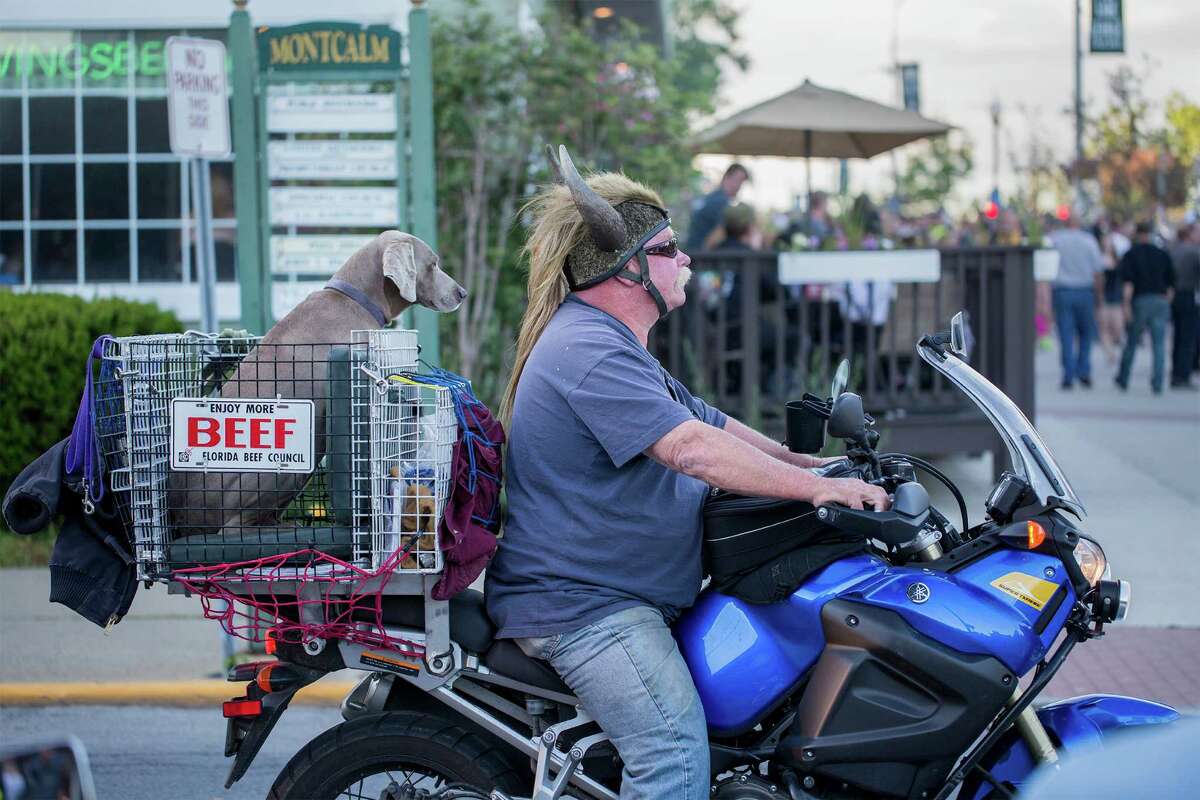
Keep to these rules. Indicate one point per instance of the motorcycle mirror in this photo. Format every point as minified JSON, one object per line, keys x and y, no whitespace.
{"x":59,"y":768}
{"x":960,"y":335}
{"x":840,"y":378}
{"x":847,"y":419}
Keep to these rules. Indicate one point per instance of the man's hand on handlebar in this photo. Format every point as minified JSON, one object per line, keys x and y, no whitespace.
{"x":852,"y":493}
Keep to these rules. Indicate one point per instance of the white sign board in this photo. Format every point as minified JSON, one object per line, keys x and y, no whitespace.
{"x":917,"y":266}
{"x":197,"y":99}
{"x":331,"y":113}
{"x":336,"y":206}
{"x":331,"y":160}
{"x":218,"y":435}
{"x":1045,"y":264}
{"x":309,"y":255}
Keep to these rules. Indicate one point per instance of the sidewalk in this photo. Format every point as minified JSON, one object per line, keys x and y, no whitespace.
{"x":1133,"y":459}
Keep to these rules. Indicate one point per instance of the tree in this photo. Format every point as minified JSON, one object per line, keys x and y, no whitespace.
{"x":1183,"y":138}
{"x":501,"y":95}
{"x":930,"y":173}
{"x":1140,"y":164}
{"x":1044,"y":183}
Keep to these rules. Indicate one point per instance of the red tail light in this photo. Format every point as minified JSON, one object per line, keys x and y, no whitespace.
{"x":241,"y":707}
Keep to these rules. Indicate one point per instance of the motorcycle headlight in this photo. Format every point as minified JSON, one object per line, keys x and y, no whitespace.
{"x":1091,"y":560}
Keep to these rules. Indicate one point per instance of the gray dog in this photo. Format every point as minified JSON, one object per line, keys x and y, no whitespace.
{"x":380,"y":281}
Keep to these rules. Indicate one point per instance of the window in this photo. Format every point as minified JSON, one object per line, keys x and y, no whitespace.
{"x":89,"y":189}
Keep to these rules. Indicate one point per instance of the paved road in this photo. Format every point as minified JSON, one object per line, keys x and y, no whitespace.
{"x":155,"y":753}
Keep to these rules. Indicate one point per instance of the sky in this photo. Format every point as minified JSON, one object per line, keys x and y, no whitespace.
{"x":971,"y":53}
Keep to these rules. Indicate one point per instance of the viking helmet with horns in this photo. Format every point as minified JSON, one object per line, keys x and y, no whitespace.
{"x":615,"y":234}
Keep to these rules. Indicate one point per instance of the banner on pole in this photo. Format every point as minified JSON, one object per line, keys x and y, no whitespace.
{"x":910,"y":82}
{"x":1108,"y":27}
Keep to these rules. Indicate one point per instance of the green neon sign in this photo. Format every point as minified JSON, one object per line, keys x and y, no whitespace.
{"x":95,"y":61}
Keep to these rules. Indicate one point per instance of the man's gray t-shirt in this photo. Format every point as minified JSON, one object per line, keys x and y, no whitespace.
{"x":1079,"y":258}
{"x":594,"y":525}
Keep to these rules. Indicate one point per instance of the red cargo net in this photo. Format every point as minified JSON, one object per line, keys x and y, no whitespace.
{"x":311,"y":586}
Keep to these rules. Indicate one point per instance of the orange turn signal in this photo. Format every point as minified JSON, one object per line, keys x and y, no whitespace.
{"x":263,"y":679}
{"x":1037,"y":534}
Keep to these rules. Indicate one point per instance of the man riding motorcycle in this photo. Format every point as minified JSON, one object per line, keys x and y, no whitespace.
{"x":610,"y":458}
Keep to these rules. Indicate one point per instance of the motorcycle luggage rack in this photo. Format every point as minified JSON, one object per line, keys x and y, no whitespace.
{"x":298,"y":553}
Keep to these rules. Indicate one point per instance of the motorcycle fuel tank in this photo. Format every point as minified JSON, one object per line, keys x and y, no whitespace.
{"x":744,"y":657}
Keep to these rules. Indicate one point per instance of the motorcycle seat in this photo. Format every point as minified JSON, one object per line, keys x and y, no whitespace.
{"x":470,"y":625}
{"x":509,"y":660}
{"x":472,"y":628}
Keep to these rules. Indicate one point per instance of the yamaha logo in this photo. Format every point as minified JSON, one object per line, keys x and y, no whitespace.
{"x":918,"y":592}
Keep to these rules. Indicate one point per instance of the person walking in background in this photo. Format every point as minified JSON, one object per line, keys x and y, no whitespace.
{"x":1149,"y":280}
{"x":1074,"y":298}
{"x":1110,"y":318}
{"x":813,"y":226}
{"x":1185,"y":321}
{"x":709,"y":212}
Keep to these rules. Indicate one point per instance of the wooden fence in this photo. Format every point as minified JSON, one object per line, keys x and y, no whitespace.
{"x":799,"y":333}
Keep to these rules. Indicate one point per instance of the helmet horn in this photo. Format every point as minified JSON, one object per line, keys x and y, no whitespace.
{"x":602,"y":220}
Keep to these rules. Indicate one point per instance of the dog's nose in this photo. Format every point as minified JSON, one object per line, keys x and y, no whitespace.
{"x":460,"y":293}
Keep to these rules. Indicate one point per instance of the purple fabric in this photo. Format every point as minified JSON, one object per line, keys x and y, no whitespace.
{"x":83,"y":448}
{"x":471,"y":520}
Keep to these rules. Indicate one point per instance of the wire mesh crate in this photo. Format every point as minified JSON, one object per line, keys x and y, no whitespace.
{"x":230,"y":452}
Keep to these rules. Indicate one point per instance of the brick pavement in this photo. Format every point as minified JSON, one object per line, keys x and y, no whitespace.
{"x":1161,"y":664}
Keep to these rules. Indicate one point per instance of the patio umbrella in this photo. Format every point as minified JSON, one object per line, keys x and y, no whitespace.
{"x":812,"y":120}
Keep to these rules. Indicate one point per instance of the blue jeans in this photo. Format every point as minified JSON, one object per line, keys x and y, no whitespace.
{"x":628,"y":673}
{"x":1075,"y":316}
{"x":1149,"y":311}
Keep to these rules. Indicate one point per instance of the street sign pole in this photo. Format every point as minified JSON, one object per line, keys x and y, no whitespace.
{"x":252,"y":271}
{"x":424,"y":180}
{"x":198,"y":122}
{"x":206,"y":277}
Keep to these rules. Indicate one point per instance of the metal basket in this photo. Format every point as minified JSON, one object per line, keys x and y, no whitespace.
{"x":200,"y":490}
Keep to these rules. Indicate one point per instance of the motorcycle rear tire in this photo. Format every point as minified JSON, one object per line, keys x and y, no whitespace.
{"x":339,"y":757}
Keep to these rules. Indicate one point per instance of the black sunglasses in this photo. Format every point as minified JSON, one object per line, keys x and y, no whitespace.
{"x":669,"y":248}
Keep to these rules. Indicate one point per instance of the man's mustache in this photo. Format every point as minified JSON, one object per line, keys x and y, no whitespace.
{"x":685,"y":275}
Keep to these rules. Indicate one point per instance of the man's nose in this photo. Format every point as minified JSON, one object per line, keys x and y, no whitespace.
{"x":684,"y":259}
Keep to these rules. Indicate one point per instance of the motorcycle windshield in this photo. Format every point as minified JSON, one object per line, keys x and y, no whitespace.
{"x":1029,"y":455}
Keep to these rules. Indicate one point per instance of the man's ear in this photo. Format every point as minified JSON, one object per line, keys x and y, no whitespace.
{"x":400,"y":267}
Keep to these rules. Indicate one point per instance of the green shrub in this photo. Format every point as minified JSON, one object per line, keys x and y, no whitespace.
{"x":45,"y":340}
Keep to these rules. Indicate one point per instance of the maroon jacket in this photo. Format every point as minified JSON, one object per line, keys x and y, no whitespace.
{"x":471,"y":520}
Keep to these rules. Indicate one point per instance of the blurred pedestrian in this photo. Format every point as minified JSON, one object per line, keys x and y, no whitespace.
{"x":810,"y":229}
{"x":1110,"y":318}
{"x":1185,"y":320}
{"x":709,"y":211}
{"x":1074,"y":298}
{"x":1149,"y":279}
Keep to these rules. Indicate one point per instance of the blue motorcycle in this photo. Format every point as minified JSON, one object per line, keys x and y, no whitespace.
{"x":905,"y":667}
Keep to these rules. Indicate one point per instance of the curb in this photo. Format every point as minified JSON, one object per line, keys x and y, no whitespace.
{"x":181,"y":694}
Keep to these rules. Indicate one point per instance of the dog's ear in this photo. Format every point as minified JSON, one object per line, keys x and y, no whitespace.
{"x":400,"y":267}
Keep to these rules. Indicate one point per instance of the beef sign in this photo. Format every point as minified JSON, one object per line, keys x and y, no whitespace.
{"x":218,"y":435}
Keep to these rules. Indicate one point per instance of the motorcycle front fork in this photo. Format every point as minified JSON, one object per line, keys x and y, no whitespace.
{"x":1034,"y":733}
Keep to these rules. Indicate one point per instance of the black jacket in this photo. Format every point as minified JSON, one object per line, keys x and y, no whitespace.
{"x":92,"y":570}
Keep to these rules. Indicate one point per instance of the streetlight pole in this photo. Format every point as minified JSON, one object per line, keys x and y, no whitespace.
{"x":995,"y":109}
{"x":1078,"y":104}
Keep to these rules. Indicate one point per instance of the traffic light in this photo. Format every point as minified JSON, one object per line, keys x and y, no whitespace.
{"x":991,"y":209}
{"x":1063,"y":212}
